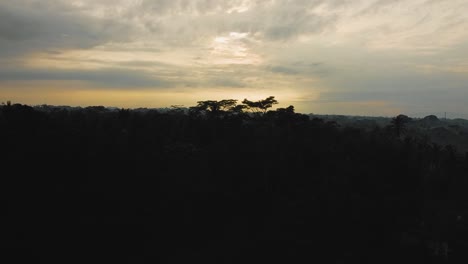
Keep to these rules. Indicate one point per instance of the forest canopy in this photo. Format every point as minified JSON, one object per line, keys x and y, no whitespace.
{"x":295,"y":182}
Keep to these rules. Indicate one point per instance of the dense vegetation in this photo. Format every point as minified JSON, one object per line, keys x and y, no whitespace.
{"x":226,"y":183}
{"x":442,"y":131}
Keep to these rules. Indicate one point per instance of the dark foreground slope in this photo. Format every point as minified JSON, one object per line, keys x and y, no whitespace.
{"x":100,"y":186}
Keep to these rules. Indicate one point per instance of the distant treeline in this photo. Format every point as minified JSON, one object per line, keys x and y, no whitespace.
{"x":226,"y":183}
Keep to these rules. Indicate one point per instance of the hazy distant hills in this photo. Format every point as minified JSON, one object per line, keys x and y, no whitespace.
{"x":439,"y":131}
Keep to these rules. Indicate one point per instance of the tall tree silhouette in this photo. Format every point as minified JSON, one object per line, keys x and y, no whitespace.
{"x":398,"y":124}
{"x":261,"y":106}
{"x":215,"y":108}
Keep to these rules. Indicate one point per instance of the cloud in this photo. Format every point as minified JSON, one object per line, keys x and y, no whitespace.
{"x":110,"y":78}
{"x":423,"y":26}
{"x":27,"y":25}
{"x":31,"y":26}
{"x":226,"y":82}
{"x":300,"y":68}
{"x":283,"y":70}
{"x":172,"y":21}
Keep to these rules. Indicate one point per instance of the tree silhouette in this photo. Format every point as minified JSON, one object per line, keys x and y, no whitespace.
{"x":287,"y":110}
{"x":398,"y":124}
{"x":261,"y":106}
{"x":215,"y":108}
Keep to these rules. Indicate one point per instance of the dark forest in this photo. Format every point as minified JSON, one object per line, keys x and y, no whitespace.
{"x":225,"y":182}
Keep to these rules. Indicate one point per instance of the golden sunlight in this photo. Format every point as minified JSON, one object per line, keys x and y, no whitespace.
{"x":231,"y":49}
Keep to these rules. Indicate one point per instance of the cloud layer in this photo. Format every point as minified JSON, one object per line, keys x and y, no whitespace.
{"x":354,"y":57}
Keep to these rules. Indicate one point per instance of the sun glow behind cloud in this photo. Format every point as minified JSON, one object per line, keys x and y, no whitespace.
{"x":232,"y":49}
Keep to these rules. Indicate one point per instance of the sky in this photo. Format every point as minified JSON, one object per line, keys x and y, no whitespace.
{"x":353,"y":57}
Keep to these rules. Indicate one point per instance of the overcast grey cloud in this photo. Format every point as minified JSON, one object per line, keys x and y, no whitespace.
{"x":104,"y":78}
{"x":28,"y":26}
{"x":337,"y":55}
